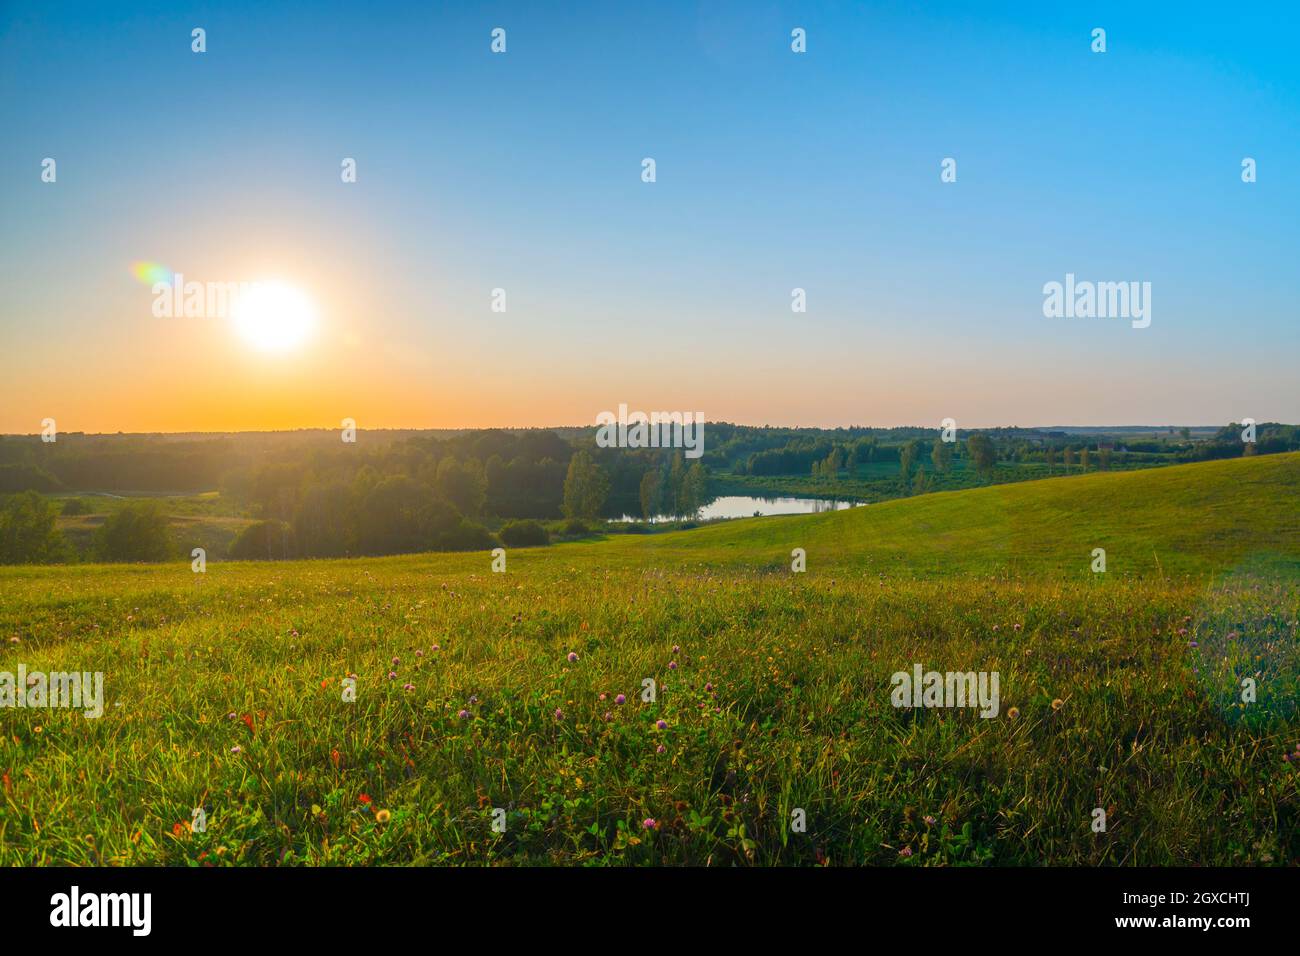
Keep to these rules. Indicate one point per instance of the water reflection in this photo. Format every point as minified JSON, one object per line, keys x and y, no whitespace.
{"x":747,"y":506}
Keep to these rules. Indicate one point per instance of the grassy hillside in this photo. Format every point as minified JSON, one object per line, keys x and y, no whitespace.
{"x":1182,"y":519}
{"x":773,"y":688}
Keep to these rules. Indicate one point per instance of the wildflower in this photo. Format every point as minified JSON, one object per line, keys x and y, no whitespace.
{"x":419,"y":653}
{"x":435,"y":648}
{"x":1013,"y":713}
{"x":608,"y":716}
{"x":573,"y":657}
{"x":1057,"y":704}
{"x":620,"y":699}
{"x":408,"y":687}
{"x":929,"y":820}
{"x":676,"y":648}
{"x":392,"y":675}
{"x":662,"y":724}
{"x":672,"y":665}
{"x":650,"y":823}
{"x":463,"y":715}
{"x":905,"y":851}
{"x":708,"y":688}
{"x":364,"y":798}
{"x":236,"y":749}
{"x":602,"y":696}
{"x":660,"y":749}
{"x":473,"y":699}
{"x":396,"y":661}
{"x":1016,"y":626}
{"x":383,"y":816}
{"x":559,"y":714}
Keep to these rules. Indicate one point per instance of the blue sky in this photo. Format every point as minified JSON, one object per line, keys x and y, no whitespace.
{"x":775,"y":170}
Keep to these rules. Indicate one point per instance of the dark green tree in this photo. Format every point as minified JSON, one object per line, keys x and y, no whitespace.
{"x":28,"y":534}
{"x":138,"y":532}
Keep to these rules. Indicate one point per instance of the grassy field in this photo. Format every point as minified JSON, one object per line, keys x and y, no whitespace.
{"x":1119,"y":691}
{"x":196,"y":521}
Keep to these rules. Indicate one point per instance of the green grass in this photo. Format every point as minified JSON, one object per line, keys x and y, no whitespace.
{"x":1148,"y":727}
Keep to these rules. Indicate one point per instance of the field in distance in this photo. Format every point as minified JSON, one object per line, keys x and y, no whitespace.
{"x":488,"y":701}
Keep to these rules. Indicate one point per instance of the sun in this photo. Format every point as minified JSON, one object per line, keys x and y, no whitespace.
{"x":274,"y":317}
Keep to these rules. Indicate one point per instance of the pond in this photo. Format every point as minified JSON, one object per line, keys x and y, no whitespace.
{"x":748,"y":506}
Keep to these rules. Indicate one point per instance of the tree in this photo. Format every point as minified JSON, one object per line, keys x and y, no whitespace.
{"x":1103,"y":457}
{"x":326,"y":521}
{"x":906,"y":458}
{"x":695,"y":489}
{"x":27,"y":531}
{"x":1084,"y":457}
{"x":139,"y":532}
{"x":1049,"y":456}
{"x":982,"y":453}
{"x":651,"y":487}
{"x":1067,"y":458}
{"x":941,"y":455}
{"x":586,"y":486}
{"x":400,"y":515}
{"x":464,"y":485}
{"x":834,"y":462}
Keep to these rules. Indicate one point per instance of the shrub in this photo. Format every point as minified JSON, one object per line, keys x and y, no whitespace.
{"x":138,"y":532}
{"x":75,"y":506}
{"x":264,"y":541}
{"x":575,"y":528}
{"x":524,"y":534}
{"x":465,"y":536}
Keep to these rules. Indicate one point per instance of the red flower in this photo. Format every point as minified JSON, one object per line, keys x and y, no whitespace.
{"x":364,"y":798}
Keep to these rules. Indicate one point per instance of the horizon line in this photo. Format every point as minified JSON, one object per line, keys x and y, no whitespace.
{"x":471,"y":428}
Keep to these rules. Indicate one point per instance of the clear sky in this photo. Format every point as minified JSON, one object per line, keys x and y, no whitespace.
{"x":775,"y":170}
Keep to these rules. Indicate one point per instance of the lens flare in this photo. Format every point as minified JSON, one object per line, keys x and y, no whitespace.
{"x":150,"y":273}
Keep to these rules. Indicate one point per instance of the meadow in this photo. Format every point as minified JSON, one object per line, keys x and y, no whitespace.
{"x":478,"y":692}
